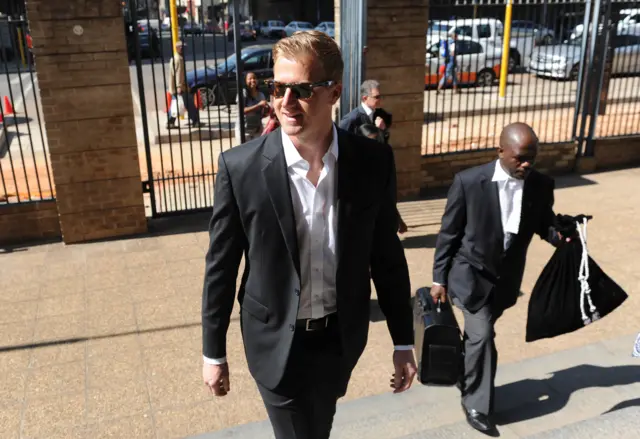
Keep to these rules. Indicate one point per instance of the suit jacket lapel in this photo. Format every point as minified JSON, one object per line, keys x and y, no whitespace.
{"x":492,"y":195}
{"x":276,"y":179}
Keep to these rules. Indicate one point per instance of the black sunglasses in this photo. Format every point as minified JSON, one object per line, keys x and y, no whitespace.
{"x":302,"y":90}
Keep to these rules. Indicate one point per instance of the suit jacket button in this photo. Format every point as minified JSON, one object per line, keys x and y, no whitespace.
{"x":297,"y":291}
{"x":292,"y":328}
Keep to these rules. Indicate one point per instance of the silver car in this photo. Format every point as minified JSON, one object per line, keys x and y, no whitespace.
{"x":563,"y":61}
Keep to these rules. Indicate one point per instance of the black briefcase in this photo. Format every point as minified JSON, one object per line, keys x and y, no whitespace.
{"x":438,"y":342}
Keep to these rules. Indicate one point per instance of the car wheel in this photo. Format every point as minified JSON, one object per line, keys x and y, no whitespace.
{"x":209,"y":95}
{"x":485,"y":78}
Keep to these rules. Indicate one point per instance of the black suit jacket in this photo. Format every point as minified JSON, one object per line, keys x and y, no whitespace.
{"x":355,"y":119}
{"x":470,"y":257}
{"x":253,"y":216}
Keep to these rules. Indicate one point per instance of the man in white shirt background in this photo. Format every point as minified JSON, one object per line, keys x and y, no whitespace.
{"x":312,"y":209}
{"x":491,"y":215}
{"x":366,"y":112}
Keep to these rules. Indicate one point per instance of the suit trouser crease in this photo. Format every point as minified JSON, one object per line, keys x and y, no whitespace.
{"x":481,"y":358}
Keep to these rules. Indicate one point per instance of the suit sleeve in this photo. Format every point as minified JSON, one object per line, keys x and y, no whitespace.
{"x":347,"y":123}
{"x":546,"y":229}
{"x":226,"y":245}
{"x":389,"y":266}
{"x":449,"y":239}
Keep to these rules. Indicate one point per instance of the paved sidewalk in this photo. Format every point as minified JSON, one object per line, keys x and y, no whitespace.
{"x":103,"y":339}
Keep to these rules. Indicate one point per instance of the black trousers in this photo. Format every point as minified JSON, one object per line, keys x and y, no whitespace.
{"x":304,"y":403}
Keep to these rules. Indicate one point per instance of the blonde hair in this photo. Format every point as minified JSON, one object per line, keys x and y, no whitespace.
{"x":315,"y":45}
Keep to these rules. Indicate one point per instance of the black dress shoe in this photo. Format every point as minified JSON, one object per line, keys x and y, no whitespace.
{"x":480,"y":421}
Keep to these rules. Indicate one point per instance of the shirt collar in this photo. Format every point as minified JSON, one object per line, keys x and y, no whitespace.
{"x":501,"y":175}
{"x":367,"y":110}
{"x":292,"y":156}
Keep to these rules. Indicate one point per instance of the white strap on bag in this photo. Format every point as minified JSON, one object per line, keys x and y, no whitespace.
{"x":583,"y":277}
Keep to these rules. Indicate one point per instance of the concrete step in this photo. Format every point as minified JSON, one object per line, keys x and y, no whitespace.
{"x":532,"y":397}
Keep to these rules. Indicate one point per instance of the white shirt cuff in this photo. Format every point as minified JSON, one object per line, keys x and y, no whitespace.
{"x":436,"y":283}
{"x":403,"y":347}
{"x":214,"y":361}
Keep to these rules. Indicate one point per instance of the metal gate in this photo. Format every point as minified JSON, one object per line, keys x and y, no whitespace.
{"x":25,"y":171}
{"x":180,"y":163}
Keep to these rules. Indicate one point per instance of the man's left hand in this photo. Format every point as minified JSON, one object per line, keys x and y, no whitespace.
{"x":380,"y":123}
{"x":405,"y":370}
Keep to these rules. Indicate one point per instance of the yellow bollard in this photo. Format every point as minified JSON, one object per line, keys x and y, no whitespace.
{"x":21,"y":46}
{"x":174,"y":23}
{"x":504,"y":67}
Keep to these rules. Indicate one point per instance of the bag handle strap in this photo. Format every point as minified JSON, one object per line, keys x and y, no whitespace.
{"x":583,"y":276}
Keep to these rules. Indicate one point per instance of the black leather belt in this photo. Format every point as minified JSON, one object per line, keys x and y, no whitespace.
{"x":317,"y":324}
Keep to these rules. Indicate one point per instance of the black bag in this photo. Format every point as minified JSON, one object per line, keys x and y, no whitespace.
{"x":561,"y":302}
{"x":438,"y":341}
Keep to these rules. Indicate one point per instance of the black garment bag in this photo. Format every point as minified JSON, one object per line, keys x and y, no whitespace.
{"x":572,"y":290}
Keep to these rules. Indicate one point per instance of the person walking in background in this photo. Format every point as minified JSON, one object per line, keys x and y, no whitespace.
{"x":255,"y":108}
{"x":448,"y":52}
{"x":491,"y":214}
{"x":317,"y":228}
{"x":178,"y":87}
{"x":369,"y":111}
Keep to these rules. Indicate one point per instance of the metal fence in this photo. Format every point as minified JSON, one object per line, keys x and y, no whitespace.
{"x":180,"y":163}
{"x":546,"y":74}
{"x":25,"y":172}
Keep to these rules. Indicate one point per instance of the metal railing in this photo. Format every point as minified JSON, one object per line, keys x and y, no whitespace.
{"x":179,"y":164}
{"x":25,"y":171}
{"x":547,"y":54}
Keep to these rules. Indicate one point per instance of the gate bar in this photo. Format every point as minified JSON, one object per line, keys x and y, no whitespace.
{"x":143,"y":108}
{"x":237,"y":45}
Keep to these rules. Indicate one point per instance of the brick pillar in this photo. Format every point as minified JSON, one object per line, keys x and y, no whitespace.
{"x":83,"y":76}
{"x":396,"y":50}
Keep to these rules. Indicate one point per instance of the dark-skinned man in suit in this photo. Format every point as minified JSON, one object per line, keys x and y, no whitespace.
{"x":312,"y":210}
{"x":491,"y":215}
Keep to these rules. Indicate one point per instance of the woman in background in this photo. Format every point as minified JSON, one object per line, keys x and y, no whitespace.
{"x":255,"y":107}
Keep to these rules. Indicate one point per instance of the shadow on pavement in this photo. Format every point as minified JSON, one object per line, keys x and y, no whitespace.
{"x":422,"y":241}
{"x":624,"y":405}
{"x":542,"y":397}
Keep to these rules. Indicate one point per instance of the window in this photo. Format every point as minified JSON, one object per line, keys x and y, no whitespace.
{"x":257,"y":62}
{"x":305,"y":26}
{"x":464,"y":47}
{"x":484,"y":31}
{"x":465,"y":31}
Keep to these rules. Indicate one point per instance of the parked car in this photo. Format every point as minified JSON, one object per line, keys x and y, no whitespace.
{"x":540,"y":35}
{"x":192,"y":28}
{"x":477,"y":62}
{"x":247,"y":33}
{"x":296,"y":26}
{"x":217,"y":85}
{"x":562,"y":61}
{"x":328,"y":27}
{"x":273,"y":29}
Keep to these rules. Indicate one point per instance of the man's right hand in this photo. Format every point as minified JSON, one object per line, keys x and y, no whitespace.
{"x":216,"y":378}
{"x":438,"y":292}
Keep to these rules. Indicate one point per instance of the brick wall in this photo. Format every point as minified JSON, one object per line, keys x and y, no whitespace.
{"x":395,"y":56}
{"x":438,"y":171}
{"x":83,"y":75}
{"x":28,"y":221}
{"x":616,"y":153}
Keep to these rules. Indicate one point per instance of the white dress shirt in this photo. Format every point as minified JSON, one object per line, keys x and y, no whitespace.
{"x":316,"y":216}
{"x":367,"y":110}
{"x":510,"y":194}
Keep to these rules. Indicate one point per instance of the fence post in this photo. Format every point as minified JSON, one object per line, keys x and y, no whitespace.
{"x":506,"y":44}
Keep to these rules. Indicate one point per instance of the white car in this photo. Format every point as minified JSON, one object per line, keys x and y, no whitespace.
{"x":563,"y":61}
{"x":328,"y":27}
{"x":273,"y":29}
{"x":296,"y":26}
{"x":476,"y":62}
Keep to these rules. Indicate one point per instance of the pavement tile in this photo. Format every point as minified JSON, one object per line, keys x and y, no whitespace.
{"x":121,"y":348}
{"x":105,"y":373}
{"x":152,"y":273}
{"x":10,"y":421}
{"x":155,"y":290}
{"x":54,"y":416}
{"x":138,"y":427}
{"x":185,"y":421}
{"x":14,"y":360}
{"x":107,"y":279}
{"x":169,"y":311}
{"x":11,"y":312}
{"x":99,"y":299}
{"x":57,"y":354}
{"x":66,"y":286}
{"x":12,"y":386}
{"x":100,"y":263}
{"x":61,"y":305}
{"x":182,"y":335}
{"x":55,"y":379}
{"x":61,"y":328}
{"x":143,"y":258}
{"x":60,"y":270}
{"x":193,"y":251}
{"x":16,"y":334}
{"x":178,"y":240}
{"x":111,"y":320}
{"x":117,"y":401}
{"x":13,"y":294}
